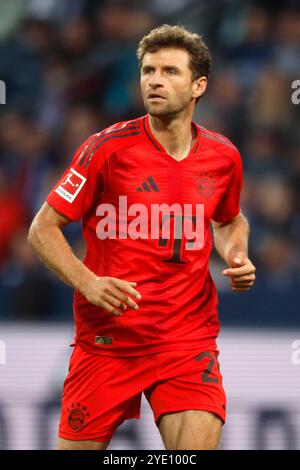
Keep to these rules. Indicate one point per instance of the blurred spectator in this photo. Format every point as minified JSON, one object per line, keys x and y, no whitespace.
{"x":124,"y":68}
{"x":270,"y":102}
{"x":287,"y":35}
{"x":11,"y":13}
{"x":12,"y":215}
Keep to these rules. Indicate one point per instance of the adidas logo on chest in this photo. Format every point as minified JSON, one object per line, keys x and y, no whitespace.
{"x":148,"y":186}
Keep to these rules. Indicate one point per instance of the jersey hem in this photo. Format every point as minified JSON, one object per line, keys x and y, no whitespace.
{"x":61,"y":208}
{"x":201,"y":345}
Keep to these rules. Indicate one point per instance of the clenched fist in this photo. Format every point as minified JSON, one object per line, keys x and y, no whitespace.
{"x":242,"y":273}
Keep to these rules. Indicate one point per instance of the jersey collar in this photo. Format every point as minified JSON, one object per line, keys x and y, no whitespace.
{"x":155,"y":143}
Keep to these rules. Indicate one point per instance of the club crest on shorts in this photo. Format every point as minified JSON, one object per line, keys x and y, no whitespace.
{"x":206,"y":184}
{"x":77,"y":414}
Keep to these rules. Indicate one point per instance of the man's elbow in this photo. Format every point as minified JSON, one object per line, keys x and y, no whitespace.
{"x":37,"y":232}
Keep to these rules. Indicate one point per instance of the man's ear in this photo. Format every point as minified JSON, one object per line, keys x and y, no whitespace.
{"x":199,"y":87}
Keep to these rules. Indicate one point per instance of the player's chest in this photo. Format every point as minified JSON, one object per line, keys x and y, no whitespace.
{"x":157,"y":178}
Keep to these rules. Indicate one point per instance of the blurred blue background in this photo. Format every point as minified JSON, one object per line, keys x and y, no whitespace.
{"x":70,"y":70}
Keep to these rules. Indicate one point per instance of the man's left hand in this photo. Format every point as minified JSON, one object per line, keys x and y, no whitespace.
{"x":242,"y":273}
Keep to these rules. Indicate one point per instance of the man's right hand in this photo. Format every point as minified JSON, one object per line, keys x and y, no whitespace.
{"x":47,"y":239}
{"x":110,"y":294}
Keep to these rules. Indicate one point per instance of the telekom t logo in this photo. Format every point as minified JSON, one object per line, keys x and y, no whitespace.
{"x":184,"y":235}
{"x":178,"y":227}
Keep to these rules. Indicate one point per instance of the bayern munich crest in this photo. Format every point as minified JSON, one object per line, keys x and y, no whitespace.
{"x":77,"y":414}
{"x":206,"y":184}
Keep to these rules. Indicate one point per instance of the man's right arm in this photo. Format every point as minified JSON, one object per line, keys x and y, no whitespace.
{"x":47,"y":239}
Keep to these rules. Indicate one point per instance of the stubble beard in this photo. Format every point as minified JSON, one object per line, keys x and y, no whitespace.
{"x":168,"y":112}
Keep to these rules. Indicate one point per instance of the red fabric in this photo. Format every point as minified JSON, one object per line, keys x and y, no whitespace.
{"x":101,"y":392}
{"x":178,"y":309}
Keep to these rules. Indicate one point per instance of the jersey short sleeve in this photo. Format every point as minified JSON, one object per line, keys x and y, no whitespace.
{"x":229,"y":205}
{"x":82,"y":181}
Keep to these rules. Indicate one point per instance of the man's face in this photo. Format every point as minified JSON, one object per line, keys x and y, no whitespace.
{"x":166,"y":82}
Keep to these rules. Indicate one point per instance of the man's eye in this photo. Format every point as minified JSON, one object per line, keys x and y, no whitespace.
{"x":172,"y":71}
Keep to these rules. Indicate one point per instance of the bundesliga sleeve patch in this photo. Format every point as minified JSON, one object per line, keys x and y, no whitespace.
{"x":71,"y":185}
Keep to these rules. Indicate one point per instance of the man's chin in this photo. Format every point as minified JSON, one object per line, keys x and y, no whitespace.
{"x":157,"y":111}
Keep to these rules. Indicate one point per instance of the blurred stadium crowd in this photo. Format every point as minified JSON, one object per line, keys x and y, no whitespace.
{"x":70,"y":70}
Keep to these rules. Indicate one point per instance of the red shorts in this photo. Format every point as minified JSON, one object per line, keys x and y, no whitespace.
{"x":100,"y":392}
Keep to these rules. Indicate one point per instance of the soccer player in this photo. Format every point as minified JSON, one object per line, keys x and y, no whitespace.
{"x":145,"y":305}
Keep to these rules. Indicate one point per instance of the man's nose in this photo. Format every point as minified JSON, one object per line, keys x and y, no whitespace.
{"x":156,"y":79}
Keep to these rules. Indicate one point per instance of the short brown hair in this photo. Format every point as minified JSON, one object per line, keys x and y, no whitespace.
{"x":177,"y":36}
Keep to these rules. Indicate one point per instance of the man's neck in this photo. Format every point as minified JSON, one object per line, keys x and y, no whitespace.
{"x":177,"y":135}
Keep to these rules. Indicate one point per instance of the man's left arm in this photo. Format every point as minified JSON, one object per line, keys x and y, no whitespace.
{"x":231,"y":242}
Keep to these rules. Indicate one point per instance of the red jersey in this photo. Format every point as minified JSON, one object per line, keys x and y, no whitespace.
{"x":125,"y":162}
